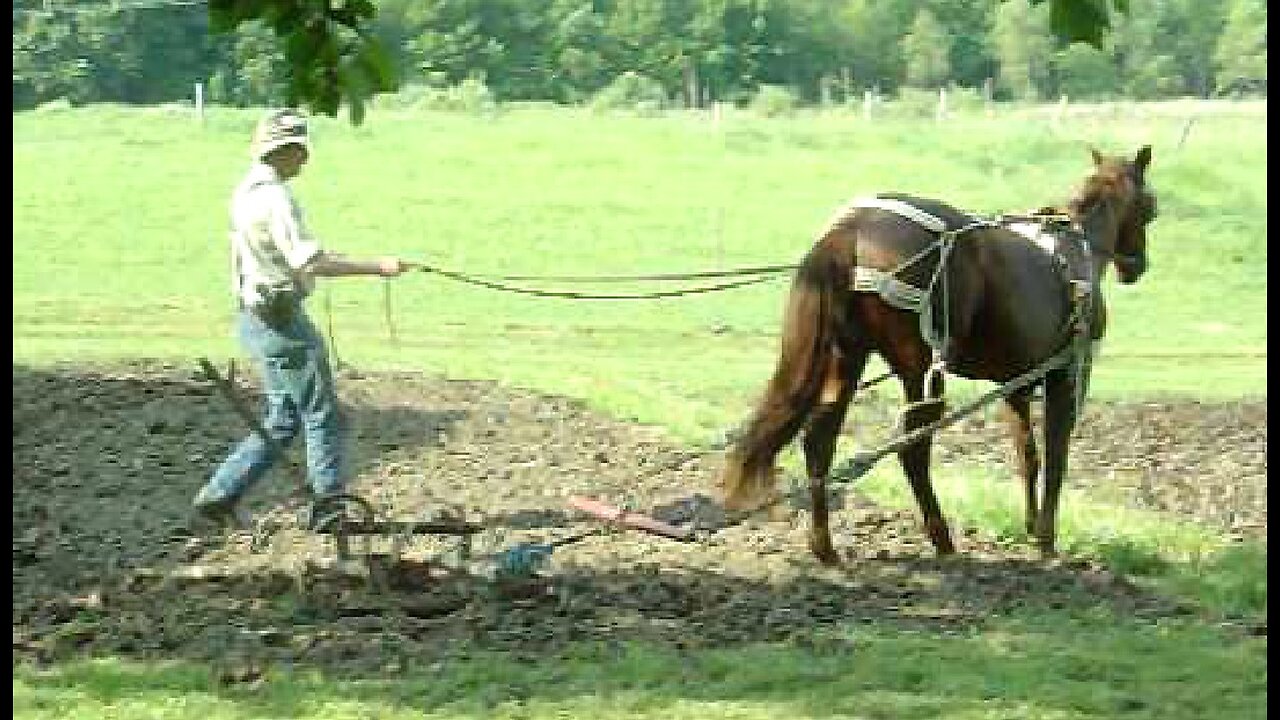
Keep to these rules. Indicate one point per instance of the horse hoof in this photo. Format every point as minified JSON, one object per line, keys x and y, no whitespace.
{"x":1046,"y":547}
{"x":826,"y":555}
{"x":943,"y":545}
{"x":780,"y":513}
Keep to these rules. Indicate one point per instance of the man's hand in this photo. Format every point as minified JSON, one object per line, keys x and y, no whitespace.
{"x":392,"y":266}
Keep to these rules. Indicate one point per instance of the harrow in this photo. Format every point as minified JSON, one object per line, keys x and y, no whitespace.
{"x":345,"y":517}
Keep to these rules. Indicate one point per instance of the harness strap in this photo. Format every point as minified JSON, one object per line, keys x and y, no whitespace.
{"x":903,"y":295}
{"x":898,"y":207}
{"x":894,"y":291}
{"x":907,"y":297}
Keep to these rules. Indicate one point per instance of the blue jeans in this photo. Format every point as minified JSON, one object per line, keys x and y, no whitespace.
{"x":300,"y":394}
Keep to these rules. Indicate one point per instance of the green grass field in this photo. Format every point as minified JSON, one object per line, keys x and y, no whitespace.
{"x":108,"y":202}
{"x":120,"y":251}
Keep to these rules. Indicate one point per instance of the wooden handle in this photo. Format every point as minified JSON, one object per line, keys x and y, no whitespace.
{"x":636,"y":521}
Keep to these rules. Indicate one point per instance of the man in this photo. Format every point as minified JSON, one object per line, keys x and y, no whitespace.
{"x":274,"y":262}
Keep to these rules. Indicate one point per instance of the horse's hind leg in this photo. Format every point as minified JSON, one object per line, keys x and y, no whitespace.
{"x":820,"y":445}
{"x":915,"y":463}
{"x":1017,"y":413}
{"x":1059,"y":419}
{"x":910,"y":367}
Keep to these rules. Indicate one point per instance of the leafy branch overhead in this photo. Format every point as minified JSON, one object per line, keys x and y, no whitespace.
{"x":329,"y":47}
{"x":1082,"y":20}
{"x":332,"y":54}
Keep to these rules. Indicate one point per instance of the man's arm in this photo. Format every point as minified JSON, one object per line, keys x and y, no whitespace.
{"x":328,"y":264}
{"x":303,"y":252}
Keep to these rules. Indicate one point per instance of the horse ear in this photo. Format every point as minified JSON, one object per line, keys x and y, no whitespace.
{"x":1143,"y":159}
{"x":1097,"y":156}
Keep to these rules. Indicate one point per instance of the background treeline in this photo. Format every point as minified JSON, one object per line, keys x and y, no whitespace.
{"x":687,"y":52}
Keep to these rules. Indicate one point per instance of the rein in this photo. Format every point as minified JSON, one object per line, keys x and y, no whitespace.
{"x":753,"y":275}
{"x":761,"y":270}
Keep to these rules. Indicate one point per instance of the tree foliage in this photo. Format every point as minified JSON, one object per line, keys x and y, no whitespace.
{"x":927,"y":50}
{"x":1023,"y":49}
{"x":1086,"y":21}
{"x":1085,"y":72}
{"x":329,"y":48}
{"x":1241,"y":53}
{"x":327,"y":54}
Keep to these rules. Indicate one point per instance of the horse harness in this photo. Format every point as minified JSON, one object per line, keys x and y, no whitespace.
{"x":1053,"y":232}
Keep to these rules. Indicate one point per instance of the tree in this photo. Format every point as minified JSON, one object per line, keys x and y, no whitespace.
{"x":333,"y":56}
{"x":1241,"y":54}
{"x":576,"y":36}
{"x":252,"y":71}
{"x":1189,"y":31}
{"x":972,"y":59}
{"x":502,"y":42}
{"x":806,"y":45}
{"x":324,"y":54}
{"x":927,"y":50}
{"x":877,"y":28}
{"x":1023,"y":48}
{"x":1085,"y":72}
{"x":45,"y":60}
{"x":1147,"y":70}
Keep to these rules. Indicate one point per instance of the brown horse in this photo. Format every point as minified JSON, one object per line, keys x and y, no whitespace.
{"x":997,"y":307}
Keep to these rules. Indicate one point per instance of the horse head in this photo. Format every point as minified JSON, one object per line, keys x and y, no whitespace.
{"x":1114,"y":207}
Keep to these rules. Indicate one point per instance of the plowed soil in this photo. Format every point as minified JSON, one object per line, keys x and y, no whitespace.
{"x":106,"y":461}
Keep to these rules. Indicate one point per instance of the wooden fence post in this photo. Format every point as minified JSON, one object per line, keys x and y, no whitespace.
{"x":1186,"y":130}
{"x":1061,"y":112}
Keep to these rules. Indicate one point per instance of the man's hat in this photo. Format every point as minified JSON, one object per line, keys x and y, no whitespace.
{"x":280,"y":128}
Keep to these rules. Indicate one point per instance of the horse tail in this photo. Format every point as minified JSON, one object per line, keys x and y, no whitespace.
{"x":807,"y":347}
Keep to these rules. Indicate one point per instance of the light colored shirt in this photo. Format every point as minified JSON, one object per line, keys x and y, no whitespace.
{"x":270,"y":243}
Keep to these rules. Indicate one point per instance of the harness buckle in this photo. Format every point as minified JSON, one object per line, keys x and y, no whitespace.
{"x":937,"y":371}
{"x":1081,"y":293}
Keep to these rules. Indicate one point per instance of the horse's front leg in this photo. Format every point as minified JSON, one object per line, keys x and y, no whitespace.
{"x":820,"y":447}
{"x":1059,"y":420}
{"x":1017,"y":414}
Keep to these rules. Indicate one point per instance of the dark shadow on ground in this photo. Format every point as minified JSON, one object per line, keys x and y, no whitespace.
{"x":106,"y":460}
{"x":270,"y":624}
{"x":105,"y":463}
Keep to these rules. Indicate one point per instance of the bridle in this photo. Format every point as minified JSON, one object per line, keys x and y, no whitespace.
{"x":1126,"y":262}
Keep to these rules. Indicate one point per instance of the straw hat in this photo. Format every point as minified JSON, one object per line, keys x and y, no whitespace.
{"x":277,"y":129}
